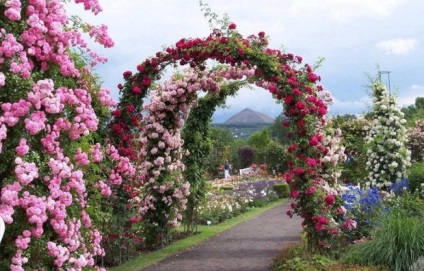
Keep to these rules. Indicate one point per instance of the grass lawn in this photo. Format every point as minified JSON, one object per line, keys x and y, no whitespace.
{"x":204,"y":233}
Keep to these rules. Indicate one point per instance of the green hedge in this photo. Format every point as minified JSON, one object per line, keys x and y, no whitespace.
{"x":282,"y":190}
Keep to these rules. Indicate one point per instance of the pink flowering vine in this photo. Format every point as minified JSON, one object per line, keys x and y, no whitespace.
{"x":48,"y":104}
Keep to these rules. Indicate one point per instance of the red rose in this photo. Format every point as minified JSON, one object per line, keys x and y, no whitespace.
{"x":120,"y":86}
{"x":311,"y":162}
{"x":127,"y":74}
{"x":313,"y":77}
{"x":146,"y":81}
{"x":292,"y":148}
{"x":285,"y":123}
{"x":300,"y":105}
{"x":288,"y":100}
{"x":295,"y":194}
{"x":136,"y":89}
{"x":310,"y":190}
{"x":330,"y":199}
{"x":298,"y":171}
{"x":313,"y":141}
{"x":298,"y":59}
{"x":141,"y":68}
{"x":297,"y":92}
{"x":130,"y":108}
{"x":261,"y":34}
{"x":311,"y":99}
{"x":116,"y":113}
{"x":334,"y":231}
{"x":232,"y":26}
{"x":272,"y":89}
{"x":322,"y":111}
{"x":323,"y":220}
{"x":287,"y":177}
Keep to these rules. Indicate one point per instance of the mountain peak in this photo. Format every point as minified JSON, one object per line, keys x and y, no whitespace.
{"x":248,"y":115}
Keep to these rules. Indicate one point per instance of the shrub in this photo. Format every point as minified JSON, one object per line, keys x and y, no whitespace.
{"x":296,"y":258}
{"x":416,"y":176}
{"x":282,"y":190}
{"x":364,"y":206}
{"x":399,"y":187}
{"x":397,"y":243}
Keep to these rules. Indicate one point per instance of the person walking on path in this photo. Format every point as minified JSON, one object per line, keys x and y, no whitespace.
{"x":248,"y":246}
{"x":227,"y":168}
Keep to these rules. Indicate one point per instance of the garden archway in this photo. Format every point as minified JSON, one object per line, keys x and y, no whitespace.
{"x":275,"y":71}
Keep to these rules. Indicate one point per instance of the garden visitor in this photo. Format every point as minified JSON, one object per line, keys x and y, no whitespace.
{"x":227,"y":167}
{"x":350,"y":157}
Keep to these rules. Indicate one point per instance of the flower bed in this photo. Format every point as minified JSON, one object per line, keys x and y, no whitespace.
{"x":229,"y":198}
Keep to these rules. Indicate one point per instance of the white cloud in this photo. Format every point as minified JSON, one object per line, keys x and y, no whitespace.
{"x":355,"y":107}
{"x":398,"y":46}
{"x":340,"y":31}
{"x":408,"y":96}
{"x":346,"y":10}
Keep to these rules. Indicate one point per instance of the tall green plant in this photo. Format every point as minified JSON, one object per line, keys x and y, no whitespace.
{"x":397,"y":243}
{"x":196,"y":135}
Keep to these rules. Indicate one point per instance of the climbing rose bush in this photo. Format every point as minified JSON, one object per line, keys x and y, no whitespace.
{"x":53,"y":169}
{"x":388,"y":157}
{"x":277,"y":72}
{"x":162,"y":151}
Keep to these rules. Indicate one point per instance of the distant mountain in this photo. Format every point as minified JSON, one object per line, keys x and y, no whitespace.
{"x":249,"y":116}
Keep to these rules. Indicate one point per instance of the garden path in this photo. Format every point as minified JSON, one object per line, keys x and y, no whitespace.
{"x":249,"y":246}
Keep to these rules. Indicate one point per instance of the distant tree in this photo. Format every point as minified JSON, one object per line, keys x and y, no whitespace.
{"x":259,"y":139}
{"x":414,"y":112}
{"x":275,"y":156}
{"x":277,"y":131}
{"x":246,"y":155}
{"x":339,"y":120}
{"x":222,"y":142}
{"x":235,"y":159}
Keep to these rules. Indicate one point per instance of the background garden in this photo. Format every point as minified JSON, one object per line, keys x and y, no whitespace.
{"x":94,"y":182}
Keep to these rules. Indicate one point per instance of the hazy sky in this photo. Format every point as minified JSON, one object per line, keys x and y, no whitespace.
{"x":353,"y":37}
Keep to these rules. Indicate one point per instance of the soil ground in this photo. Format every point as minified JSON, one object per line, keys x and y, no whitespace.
{"x":249,"y":246}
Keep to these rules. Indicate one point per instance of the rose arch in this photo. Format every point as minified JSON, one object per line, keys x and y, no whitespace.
{"x":155,"y":141}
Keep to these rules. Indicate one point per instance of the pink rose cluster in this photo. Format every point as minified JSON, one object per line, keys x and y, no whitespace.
{"x":48,"y":184}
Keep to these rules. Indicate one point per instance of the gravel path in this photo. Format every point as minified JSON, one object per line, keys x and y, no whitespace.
{"x":249,"y":246}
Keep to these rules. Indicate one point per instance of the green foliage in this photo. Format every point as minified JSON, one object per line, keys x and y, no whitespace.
{"x":397,"y":243}
{"x":414,"y":112}
{"x":296,"y":258}
{"x":277,"y":131}
{"x":282,"y":190}
{"x":275,"y":156}
{"x":260,"y":139}
{"x":197,"y":139}
{"x":353,"y":139}
{"x":416,"y":176}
